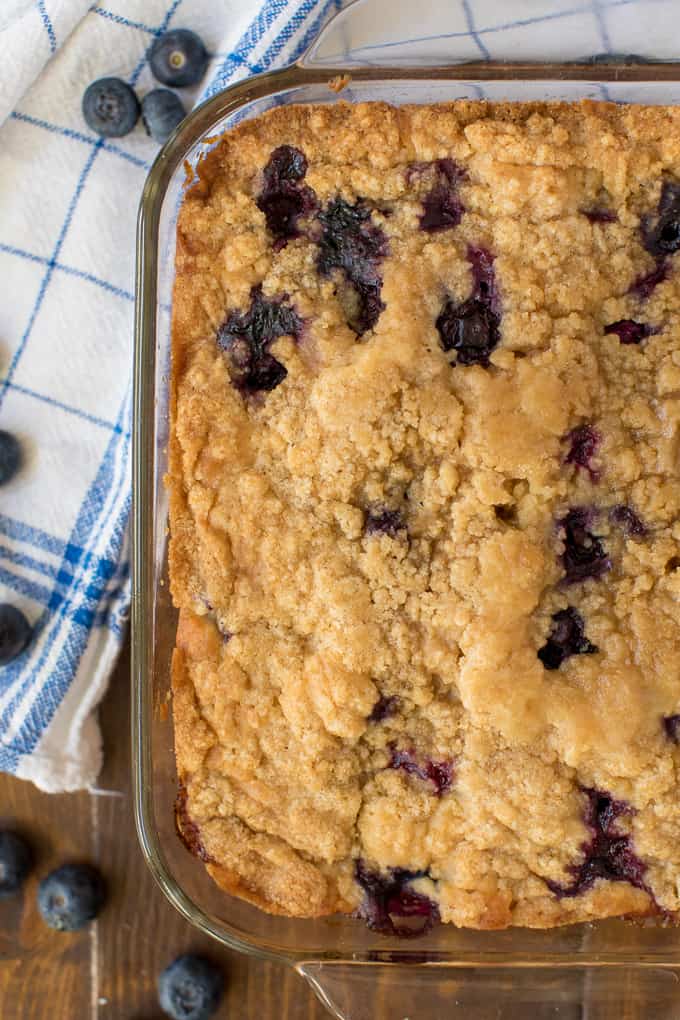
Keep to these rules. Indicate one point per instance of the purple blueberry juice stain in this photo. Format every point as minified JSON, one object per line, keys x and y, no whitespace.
{"x":284,"y":199}
{"x":599,"y":215}
{"x":472,"y":328}
{"x":566,"y":638}
{"x":608,"y":854}
{"x":384,"y":708}
{"x":584,"y":442}
{"x":671,"y":725}
{"x":584,"y":557}
{"x":625,"y":518}
{"x":388,"y":901}
{"x":629,"y":331}
{"x":439,"y":773}
{"x":644,"y":286}
{"x":661,"y":232}
{"x":442,"y":207}
{"x":246,"y":337}
{"x":380,"y":520}
{"x":351,"y":243}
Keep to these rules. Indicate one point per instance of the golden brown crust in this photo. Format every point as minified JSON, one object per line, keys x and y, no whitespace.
{"x":295,"y":618}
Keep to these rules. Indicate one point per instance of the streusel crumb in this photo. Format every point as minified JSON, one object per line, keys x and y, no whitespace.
{"x":425,"y":512}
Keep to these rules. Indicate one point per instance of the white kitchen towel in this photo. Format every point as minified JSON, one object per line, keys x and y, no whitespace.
{"x":68,"y":204}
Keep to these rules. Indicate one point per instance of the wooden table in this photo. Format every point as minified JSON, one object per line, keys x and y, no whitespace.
{"x":109,"y":970}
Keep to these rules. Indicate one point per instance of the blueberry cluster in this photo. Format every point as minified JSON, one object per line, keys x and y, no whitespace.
{"x":15,"y":630}
{"x":72,"y":895}
{"x":111,"y":107}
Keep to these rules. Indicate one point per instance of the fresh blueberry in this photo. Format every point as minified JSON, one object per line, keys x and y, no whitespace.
{"x":162,"y":111}
{"x":15,"y":633}
{"x":380,"y":520}
{"x":629,"y":331}
{"x":383,"y":709}
{"x":624,"y":517}
{"x":608,"y":854}
{"x":472,"y":329}
{"x":71,"y":896}
{"x":671,"y":725}
{"x":439,"y":773}
{"x":661,"y":233}
{"x":566,"y":638}
{"x":246,"y":338}
{"x":16,"y":860}
{"x":351,"y":243}
{"x":584,"y":555}
{"x":599,"y":215}
{"x":10,"y":456}
{"x":190,"y":988}
{"x":584,"y":442}
{"x":388,"y":901}
{"x":442,"y":207}
{"x":178,"y":58}
{"x":110,"y":107}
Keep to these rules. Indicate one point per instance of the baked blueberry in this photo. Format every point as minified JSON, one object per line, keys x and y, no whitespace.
{"x":190,"y":988}
{"x":246,"y":337}
{"x":380,"y":520}
{"x":178,"y":58}
{"x":10,"y":456}
{"x":439,"y":773}
{"x":110,"y":107}
{"x":624,"y":517}
{"x":284,"y":199}
{"x":599,"y":214}
{"x":608,"y":854}
{"x":388,"y":902}
{"x":661,"y":233}
{"x":566,"y":638}
{"x":383,"y":709}
{"x":15,"y":633}
{"x":16,"y":861}
{"x":71,"y":896}
{"x":351,"y":243}
{"x":645,"y":285}
{"x":471,"y":328}
{"x":671,"y":725}
{"x":584,"y":442}
{"x":584,"y":557}
{"x":629,"y":331}
{"x":442,"y":206}
{"x":162,"y":111}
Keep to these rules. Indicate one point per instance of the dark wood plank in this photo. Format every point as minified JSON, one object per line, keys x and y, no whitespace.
{"x":38,"y":966}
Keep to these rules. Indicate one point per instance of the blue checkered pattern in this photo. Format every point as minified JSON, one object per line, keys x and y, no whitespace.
{"x":67,"y":209}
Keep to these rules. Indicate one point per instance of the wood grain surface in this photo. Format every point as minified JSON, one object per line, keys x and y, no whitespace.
{"x":109,"y":971}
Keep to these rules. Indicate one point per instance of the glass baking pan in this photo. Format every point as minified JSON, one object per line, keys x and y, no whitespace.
{"x":607,"y":970}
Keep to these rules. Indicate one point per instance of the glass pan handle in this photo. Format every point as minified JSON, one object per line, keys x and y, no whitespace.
{"x":404,"y":33}
{"x":374,"y":991}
